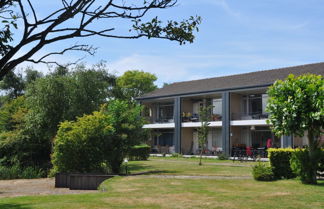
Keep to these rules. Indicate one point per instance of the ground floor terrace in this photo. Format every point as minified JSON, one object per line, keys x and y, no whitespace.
{"x":243,"y":140}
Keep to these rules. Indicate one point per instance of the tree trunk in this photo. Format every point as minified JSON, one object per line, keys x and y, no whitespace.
{"x":201,"y":152}
{"x":312,"y":157}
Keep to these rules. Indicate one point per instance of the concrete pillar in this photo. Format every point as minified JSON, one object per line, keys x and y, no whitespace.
{"x":177,"y":123}
{"x":226,"y":122}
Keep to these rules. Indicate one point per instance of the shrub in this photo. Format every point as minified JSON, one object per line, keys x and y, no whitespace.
{"x":222,"y":157}
{"x":9,"y":172}
{"x":139,"y":152}
{"x":102,"y":138}
{"x":303,"y":164}
{"x":32,"y":173}
{"x":79,"y":146}
{"x":262,"y":172}
{"x":280,"y":162}
{"x":16,"y":172}
{"x":176,"y":155}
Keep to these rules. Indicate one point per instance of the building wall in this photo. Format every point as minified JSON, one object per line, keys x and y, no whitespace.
{"x":235,"y":135}
{"x":235,"y":103}
{"x":186,"y":106}
{"x":186,"y":140}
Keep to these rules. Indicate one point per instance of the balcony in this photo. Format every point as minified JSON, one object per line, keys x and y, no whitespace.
{"x":189,"y":117}
{"x":249,"y":116}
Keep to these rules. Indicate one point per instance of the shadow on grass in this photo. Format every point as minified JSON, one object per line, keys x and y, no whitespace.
{"x":14,"y":206}
{"x":153,"y":172}
{"x":140,"y":169}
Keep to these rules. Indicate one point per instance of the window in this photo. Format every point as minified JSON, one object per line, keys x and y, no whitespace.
{"x":253,"y":104}
{"x":217,"y":137}
{"x":217,"y":106}
{"x":164,"y":139}
{"x":165,"y":112}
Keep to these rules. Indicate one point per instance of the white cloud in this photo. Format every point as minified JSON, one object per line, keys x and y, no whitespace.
{"x":170,"y":68}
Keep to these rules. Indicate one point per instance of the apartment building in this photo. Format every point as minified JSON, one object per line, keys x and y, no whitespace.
{"x":237,"y":118}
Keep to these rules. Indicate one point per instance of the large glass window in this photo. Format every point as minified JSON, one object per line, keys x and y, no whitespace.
{"x":165,"y":138}
{"x":216,"y":137}
{"x":217,"y":106}
{"x":165,"y":112}
{"x":254,"y":106}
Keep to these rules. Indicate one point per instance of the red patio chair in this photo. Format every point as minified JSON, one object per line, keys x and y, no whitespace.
{"x":249,"y":151}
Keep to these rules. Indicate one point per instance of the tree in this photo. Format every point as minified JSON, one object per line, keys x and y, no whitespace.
{"x":203,"y":130}
{"x":127,"y":124}
{"x":296,"y":106}
{"x":49,"y":101}
{"x":134,"y":83}
{"x":13,"y":84}
{"x":76,"y":19}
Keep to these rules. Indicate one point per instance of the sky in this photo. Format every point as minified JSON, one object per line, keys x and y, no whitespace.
{"x":235,"y":36}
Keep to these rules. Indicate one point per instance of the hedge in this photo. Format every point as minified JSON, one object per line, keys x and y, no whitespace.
{"x":283,"y":159}
{"x":280,"y":162}
{"x":139,"y":152}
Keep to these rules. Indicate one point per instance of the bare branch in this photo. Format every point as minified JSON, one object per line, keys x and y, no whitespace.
{"x":33,"y":10}
{"x":80,"y":15}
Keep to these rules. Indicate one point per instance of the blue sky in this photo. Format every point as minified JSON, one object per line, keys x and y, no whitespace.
{"x":235,"y":37}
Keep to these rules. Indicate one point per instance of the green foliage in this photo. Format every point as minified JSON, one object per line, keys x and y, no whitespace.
{"x":13,"y":84}
{"x":127,"y":125}
{"x":79,"y":146}
{"x":302,"y":165}
{"x":180,"y":31}
{"x":280,"y":162}
{"x":12,"y":114}
{"x":176,"y":155}
{"x":139,"y":152}
{"x":56,"y":98}
{"x":62,"y":96}
{"x":134,"y":83}
{"x":102,"y":138}
{"x":203,"y":130}
{"x":16,"y":172}
{"x":262,"y":172}
{"x":296,"y":105}
{"x":222,"y":157}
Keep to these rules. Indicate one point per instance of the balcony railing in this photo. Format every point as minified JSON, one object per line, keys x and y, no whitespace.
{"x":188,"y":117}
{"x":249,"y":116}
{"x":160,"y":120}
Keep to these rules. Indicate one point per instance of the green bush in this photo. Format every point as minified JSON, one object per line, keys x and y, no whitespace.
{"x":262,"y":172}
{"x":32,"y":173}
{"x":102,"y":138}
{"x":222,"y":157}
{"x":280,"y":162}
{"x":79,"y":146}
{"x":176,"y":155}
{"x":9,"y":172}
{"x":139,"y":152}
{"x":303,"y":164}
{"x":16,"y":172}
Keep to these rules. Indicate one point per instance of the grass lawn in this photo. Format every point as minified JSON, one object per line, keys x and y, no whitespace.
{"x":189,"y":166}
{"x":152,"y":192}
